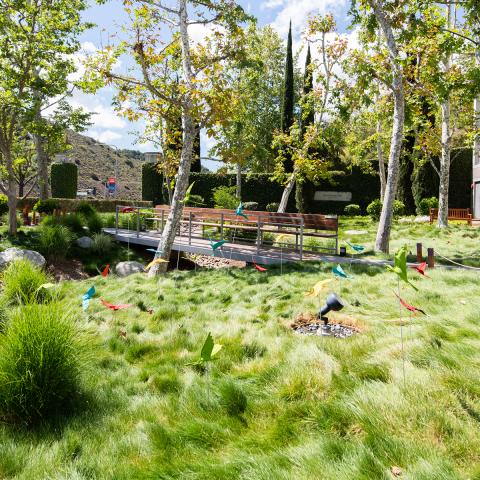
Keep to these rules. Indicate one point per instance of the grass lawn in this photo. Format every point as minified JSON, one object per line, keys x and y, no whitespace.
{"x":274,"y":405}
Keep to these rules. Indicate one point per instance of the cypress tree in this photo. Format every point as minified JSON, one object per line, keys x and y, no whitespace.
{"x":288,"y":93}
{"x":196,"y":154}
{"x":306,"y":119}
{"x":288,"y":96}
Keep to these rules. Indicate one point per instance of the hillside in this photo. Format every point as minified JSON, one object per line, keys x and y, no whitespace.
{"x":96,"y":162}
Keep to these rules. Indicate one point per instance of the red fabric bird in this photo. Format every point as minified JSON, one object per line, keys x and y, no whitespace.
{"x":106,"y":270}
{"x":259,"y":268}
{"x":420,"y":268}
{"x":127,"y":209}
{"x":409,"y":307}
{"x":121,"y":306}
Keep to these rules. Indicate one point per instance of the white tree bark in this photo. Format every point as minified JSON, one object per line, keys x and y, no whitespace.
{"x":380,"y":154}
{"x":189,"y":131}
{"x":239,"y":181}
{"x":382,"y":241}
{"x":476,"y":121}
{"x":446,"y":142}
{"x":282,"y":206}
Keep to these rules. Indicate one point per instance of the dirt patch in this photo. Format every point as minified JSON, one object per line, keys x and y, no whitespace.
{"x":67,"y":269}
{"x":207,"y":261}
{"x":340,"y":326}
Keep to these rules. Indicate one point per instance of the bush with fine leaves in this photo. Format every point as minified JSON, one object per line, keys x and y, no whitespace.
{"x":22,"y":283}
{"x":55,"y":241}
{"x":224,"y":197}
{"x":40,"y":364}
{"x":102,"y":243}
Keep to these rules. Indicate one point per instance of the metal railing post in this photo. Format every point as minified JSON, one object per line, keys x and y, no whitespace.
{"x":138,"y":222}
{"x":163,"y":218}
{"x":259,"y":226}
{"x":190,"y":228}
{"x":301,"y":239}
{"x":221,"y":225}
{"x":116,"y":220}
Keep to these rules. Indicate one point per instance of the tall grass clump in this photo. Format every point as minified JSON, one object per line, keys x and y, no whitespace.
{"x":55,"y":241}
{"x":40,"y":364}
{"x":22,"y":281}
{"x":72,"y":221}
{"x":102,"y":243}
{"x":94,"y":223}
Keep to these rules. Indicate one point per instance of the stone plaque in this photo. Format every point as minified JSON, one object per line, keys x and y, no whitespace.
{"x":323,"y":196}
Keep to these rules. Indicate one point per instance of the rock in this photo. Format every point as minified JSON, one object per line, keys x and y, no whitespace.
{"x":84,"y":242}
{"x":422,"y":219}
{"x":11,"y":254}
{"x":123,"y":269}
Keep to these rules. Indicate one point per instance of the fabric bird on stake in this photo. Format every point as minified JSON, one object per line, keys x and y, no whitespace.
{"x":339,"y":272}
{"x":86,"y":298}
{"x":400,"y":266}
{"x":106,"y":270}
{"x":318,"y":288}
{"x":239,"y":211}
{"x":115,"y":308}
{"x":420,"y":268}
{"x":409,"y":307}
{"x":188,"y":194}
{"x":155,"y":261}
{"x":356,"y":248}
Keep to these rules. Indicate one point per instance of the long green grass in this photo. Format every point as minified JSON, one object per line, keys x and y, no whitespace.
{"x":274,"y":404}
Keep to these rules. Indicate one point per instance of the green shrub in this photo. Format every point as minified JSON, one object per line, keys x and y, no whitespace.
{"x":94,"y":223}
{"x":374,"y":209}
{"x":195,"y":201}
{"x":224,"y":197}
{"x":85,"y":209}
{"x":3,"y":204}
{"x":232,"y":398}
{"x":22,"y":282}
{"x":102,"y":243}
{"x":55,"y":241}
{"x":250,"y":205}
{"x":272,"y":207}
{"x":47,"y":206}
{"x":352,"y":210}
{"x":398,"y":208}
{"x":426,"y":204}
{"x":64,"y":179}
{"x":40,"y":366}
{"x":72,"y":221}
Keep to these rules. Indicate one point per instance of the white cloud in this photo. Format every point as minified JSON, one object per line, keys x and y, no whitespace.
{"x":298,"y":11}
{"x":107,"y":136}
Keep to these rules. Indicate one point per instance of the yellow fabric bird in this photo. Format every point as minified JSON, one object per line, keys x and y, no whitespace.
{"x":153,"y":262}
{"x":318,"y":288}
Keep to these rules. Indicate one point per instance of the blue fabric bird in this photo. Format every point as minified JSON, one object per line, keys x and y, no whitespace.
{"x":216,"y":245}
{"x":357,"y":248}
{"x":339,"y":272}
{"x":86,"y":298}
{"x":239,"y":211}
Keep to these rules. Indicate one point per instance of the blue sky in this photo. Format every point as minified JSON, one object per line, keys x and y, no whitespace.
{"x":116,"y":131}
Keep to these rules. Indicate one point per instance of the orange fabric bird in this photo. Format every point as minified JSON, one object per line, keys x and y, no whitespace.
{"x":420,"y":268}
{"x":106,"y":270}
{"x":121,"y":306}
{"x":259,"y":268}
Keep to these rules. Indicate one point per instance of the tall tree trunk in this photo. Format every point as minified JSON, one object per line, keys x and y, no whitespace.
{"x":476,"y":112}
{"x":444,"y":166}
{"x":382,"y":241}
{"x":40,"y":150}
{"x":380,"y":156}
{"x":239,"y":181}
{"x":446,"y":142}
{"x":189,"y":131}
{"x":21,"y":187}
{"x":11,"y":196}
{"x":282,"y":207}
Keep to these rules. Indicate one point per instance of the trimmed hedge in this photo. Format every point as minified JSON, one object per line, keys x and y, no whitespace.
{"x":64,"y":180}
{"x":70,"y":204}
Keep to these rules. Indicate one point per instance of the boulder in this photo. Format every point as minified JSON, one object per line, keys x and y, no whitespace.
{"x":84,"y":242}
{"x":124,"y":269}
{"x":11,"y":254}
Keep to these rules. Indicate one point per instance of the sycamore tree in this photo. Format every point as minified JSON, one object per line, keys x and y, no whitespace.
{"x":158,"y":31}
{"x":37,"y":38}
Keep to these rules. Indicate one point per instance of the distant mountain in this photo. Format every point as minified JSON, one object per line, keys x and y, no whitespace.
{"x":97,"y":161}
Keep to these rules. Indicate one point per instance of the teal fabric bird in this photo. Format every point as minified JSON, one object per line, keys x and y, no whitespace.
{"x":239,"y":211}
{"x":153,"y":250}
{"x":86,"y":298}
{"x":357,"y":248}
{"x":400,"y":266}
{"x":339,"y":272}
{"x":217,"y":245}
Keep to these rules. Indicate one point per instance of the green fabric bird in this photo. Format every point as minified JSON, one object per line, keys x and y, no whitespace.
{"x":400,"y":266}
{"x":187,"y":194}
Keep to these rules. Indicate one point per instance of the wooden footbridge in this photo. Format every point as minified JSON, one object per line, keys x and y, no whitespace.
{"x":250,"y":236}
